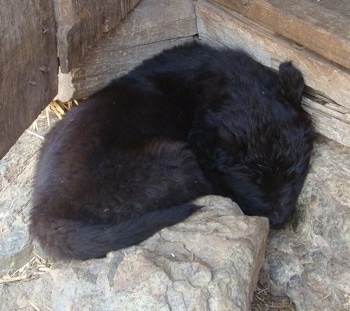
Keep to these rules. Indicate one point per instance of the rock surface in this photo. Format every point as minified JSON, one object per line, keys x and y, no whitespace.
{"x":16,"y":175}
{"x":309,"y":260}
{"x":211,"y":261}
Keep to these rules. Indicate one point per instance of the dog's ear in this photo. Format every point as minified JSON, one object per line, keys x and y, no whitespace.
{"x":290,"y":84}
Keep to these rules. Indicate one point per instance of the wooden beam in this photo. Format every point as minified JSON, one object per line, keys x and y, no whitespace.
{"x":28,"y":65}
{"x":329,"y":119}
{"x":311,"y":25}
{"x":80,"y":23}
{"x":235,"y":30}
{"x":331,"y":115}
{"x":153,"y":26}
{"x":98,"y":70}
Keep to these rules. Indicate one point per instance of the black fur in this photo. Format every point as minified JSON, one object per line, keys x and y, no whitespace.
{"x":191,"y":121}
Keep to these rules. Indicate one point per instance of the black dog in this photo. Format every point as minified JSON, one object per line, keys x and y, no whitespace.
{"x":191,"y":121}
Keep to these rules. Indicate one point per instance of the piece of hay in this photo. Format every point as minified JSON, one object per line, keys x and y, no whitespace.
{"x":263,"y":300}
{"x":60,"y":108}
{"x":31,"y":270}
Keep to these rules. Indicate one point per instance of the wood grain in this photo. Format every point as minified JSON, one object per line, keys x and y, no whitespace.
{"x":332,"y":116}
{"x":315,"y":27}
{"x":235,"y":30}
{"x":328,"y":121}
{"x":81,"y":22}
{"x":151,"y":27}
{"x":28,"y":62}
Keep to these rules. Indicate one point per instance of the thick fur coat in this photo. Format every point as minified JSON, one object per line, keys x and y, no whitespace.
{"x":190,"y":121}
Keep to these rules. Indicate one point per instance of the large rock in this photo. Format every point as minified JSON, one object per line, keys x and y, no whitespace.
{"x":211,"y":261}
{"x":310,"y":259}
{"x":16,"y":175}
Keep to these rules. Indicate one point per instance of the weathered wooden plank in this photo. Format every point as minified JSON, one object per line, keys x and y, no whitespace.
{"x":151,"y":27}
{"x":235,"y":30}
{"x":81,"y":22}
{"x":311,"y":25}
{"x":28,"y":62}
{"x":339,"y":6}
{"x":154,"y":21}
{"x":125,"y":60}
{"x":328,"y":121}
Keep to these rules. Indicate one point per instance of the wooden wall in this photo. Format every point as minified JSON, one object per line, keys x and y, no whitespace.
{"x":80,"y":24}
{"x":324,"y":31}
{"x":274,"y":31}
{"x":28,"y":65}
{"x":30,"y":47}
{"x":152,"y":27}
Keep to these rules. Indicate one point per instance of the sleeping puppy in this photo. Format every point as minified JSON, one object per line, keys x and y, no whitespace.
{"x":190,"y":121}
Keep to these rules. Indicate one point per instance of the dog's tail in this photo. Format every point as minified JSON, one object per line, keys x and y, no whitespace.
{"x":66,"y":238}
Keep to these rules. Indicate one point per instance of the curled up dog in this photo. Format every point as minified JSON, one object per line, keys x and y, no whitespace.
{"x":191,"y":121}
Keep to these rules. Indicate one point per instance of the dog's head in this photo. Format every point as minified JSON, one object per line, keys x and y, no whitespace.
{"x":266,"y":185}
{"x":256,"y":147}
